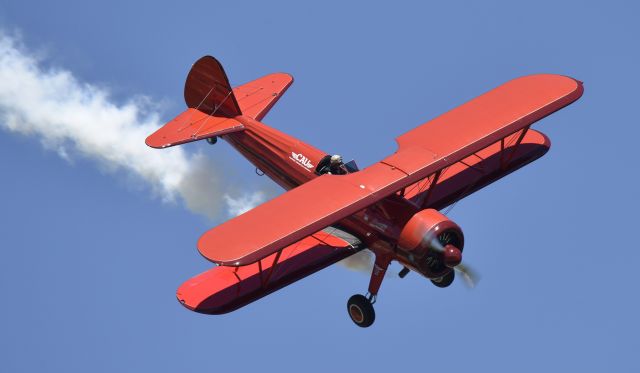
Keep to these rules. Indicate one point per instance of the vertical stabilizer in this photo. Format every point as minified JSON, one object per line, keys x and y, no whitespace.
{"x":208,"y":90}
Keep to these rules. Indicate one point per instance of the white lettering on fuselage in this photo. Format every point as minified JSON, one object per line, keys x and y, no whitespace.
{"x":301,"y":160}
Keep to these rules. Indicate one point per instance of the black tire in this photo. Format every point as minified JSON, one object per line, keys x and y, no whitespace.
{"x":361,"y":311}
{"x":444,"y":281}
{"x":212,"y":140}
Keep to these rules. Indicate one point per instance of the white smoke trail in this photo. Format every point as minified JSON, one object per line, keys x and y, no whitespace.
{"x":238,"y":206}
{"x":362,"y":261}
{"x":72,"y":117}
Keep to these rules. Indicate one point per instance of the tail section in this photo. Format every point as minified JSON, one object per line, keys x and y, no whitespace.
{"x":214,"y":108}
{"x":207,"y":89}
{"x":256,"y":98}
{"x":192,"y":125}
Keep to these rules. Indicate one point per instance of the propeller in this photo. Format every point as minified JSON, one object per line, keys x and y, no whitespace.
{"x":452,"y":258}
{"x":363,"y":260}
{"x":470,"y":277}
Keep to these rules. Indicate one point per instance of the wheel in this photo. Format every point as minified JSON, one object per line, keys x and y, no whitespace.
{"x":361,"y":311}
{"x":212,"y":140}
{"x":444,"y":281}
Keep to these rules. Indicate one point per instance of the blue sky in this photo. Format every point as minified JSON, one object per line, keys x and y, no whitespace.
{"x":92,"y":256}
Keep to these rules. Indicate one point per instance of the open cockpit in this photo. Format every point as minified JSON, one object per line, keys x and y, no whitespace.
{"x":333,"y":164}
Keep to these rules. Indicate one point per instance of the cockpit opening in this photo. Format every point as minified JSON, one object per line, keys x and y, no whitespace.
{"x":333,"y":164}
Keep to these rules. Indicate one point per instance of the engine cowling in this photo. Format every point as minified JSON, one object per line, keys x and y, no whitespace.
{"x":432,"y":239}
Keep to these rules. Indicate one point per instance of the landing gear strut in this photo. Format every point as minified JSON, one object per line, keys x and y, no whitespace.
{"x":360,"y":307}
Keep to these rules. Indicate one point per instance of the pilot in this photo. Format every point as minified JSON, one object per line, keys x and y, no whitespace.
{"x":336,"y":167}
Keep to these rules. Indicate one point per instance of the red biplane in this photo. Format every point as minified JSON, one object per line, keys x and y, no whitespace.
{"x":333,"y":210}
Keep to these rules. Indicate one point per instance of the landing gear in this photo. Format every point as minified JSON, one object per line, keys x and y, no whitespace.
{"x":212,"y":140}
{"x":361,"y":310}
{"x":444,"y":281}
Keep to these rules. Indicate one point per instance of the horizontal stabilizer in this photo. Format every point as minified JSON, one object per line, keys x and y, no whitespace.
{"x":192,"y":125}
{"x":256,"y":98}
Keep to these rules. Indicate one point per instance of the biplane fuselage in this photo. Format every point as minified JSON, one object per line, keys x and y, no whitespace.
{"x":390,"y":207}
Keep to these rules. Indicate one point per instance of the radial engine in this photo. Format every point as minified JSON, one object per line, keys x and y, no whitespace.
{"x":431,"y":243}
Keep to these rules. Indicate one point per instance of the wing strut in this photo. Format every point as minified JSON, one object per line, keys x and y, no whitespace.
{"x":265,"y":281}
{"x":431,"y":188}
{"x":507,"y":151}
{"x":513,"y":151}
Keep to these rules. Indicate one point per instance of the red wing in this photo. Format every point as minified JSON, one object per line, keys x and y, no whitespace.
{"x":476,"y":171}
{"x":422,"y":152}
{"x":256,"y":98}
{"x":294,"y":215}
{"x":223,"y":289}
{"x":484,"y":120}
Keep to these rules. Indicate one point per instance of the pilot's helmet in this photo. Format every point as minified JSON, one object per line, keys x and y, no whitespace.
{"x":336,"y":159}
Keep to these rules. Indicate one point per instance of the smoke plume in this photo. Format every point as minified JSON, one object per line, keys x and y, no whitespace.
{"x":76,"y":118}
{"x":362,"y":261}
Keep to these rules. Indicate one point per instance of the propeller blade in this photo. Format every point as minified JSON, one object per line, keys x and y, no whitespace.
{"x":471,"y":277}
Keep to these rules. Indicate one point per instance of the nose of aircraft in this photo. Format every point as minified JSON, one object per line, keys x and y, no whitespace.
{"x":452,"y":256}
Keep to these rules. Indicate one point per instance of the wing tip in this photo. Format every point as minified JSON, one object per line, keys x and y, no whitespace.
{"x":285,"y":75}
{"x":152,"y":142}
{"x":577,"y":85}
{"x":207,"y":250}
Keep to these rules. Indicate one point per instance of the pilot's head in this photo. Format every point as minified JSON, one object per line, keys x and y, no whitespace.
{"x":336,"y":159}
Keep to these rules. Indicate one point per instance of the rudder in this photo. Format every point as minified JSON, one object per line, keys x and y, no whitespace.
{"x":207,"y":89}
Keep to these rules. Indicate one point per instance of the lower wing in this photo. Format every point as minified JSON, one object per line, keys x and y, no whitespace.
{"x":223,"y":289}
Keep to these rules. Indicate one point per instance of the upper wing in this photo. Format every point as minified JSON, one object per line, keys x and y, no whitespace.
{"x":422,"y":152}
{"x":256,"y":98}
{"x":296,"y":214}
{"x":488,"y":118}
